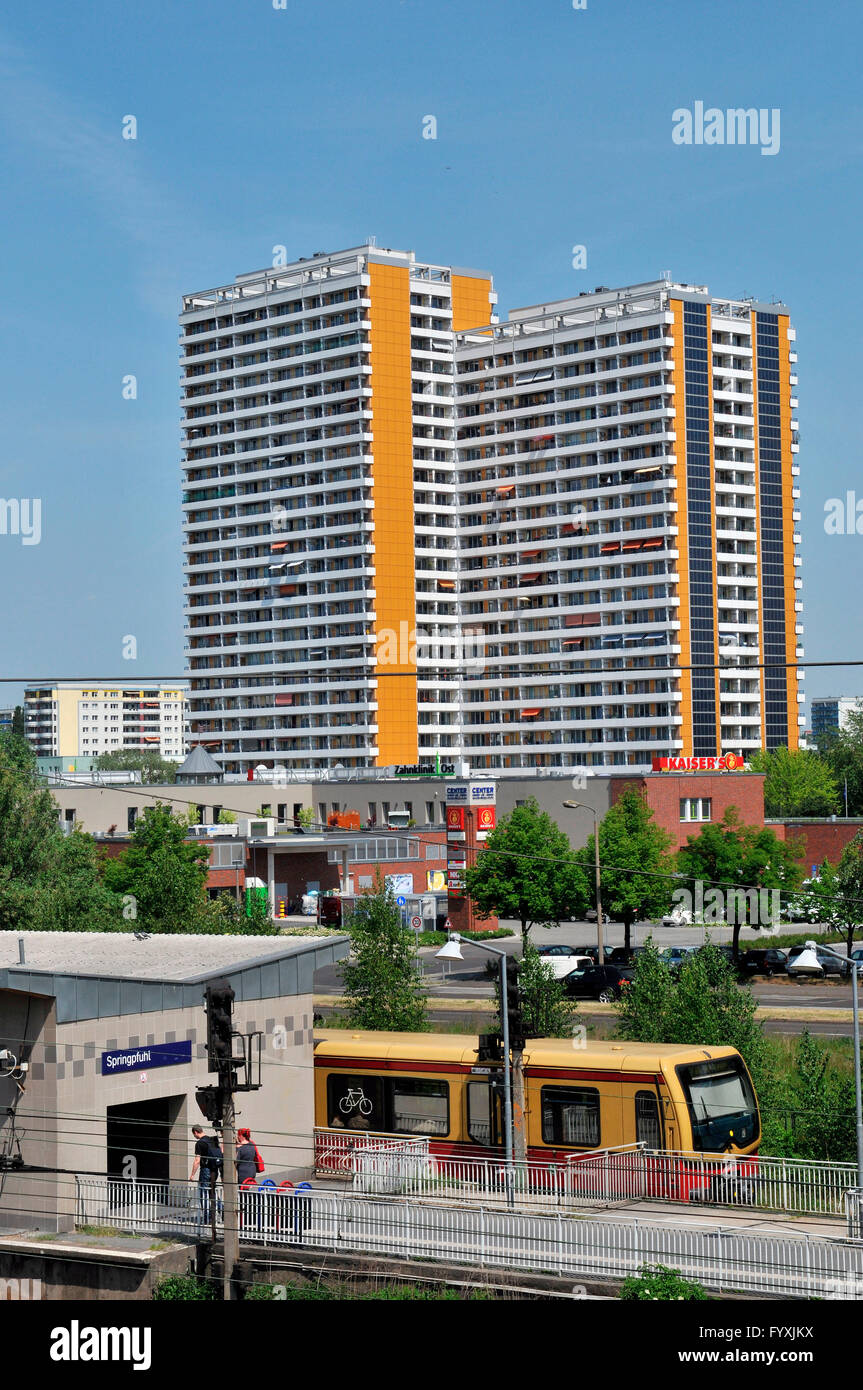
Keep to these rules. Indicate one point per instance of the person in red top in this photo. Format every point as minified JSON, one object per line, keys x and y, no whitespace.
{"x":248,"y":1160}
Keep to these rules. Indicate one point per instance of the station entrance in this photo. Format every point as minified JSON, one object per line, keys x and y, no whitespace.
{"x":142,"y":1131}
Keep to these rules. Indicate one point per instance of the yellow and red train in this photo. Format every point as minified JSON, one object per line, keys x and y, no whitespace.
{"x":577,"y":1098}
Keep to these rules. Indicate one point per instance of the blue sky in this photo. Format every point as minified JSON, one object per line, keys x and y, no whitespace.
{"x":303,"y":127}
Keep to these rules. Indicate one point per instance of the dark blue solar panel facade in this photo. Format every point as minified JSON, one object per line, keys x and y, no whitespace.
{"x":774,"y":616}
{"x":700,"y":519}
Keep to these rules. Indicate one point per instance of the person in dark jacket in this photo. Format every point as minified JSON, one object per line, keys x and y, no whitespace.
{"x":207,"y":1164}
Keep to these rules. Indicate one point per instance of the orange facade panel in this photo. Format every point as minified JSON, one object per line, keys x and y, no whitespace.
{"x":676,"y":307}
{"x":470,"y":302}
{"x":392,"y":482}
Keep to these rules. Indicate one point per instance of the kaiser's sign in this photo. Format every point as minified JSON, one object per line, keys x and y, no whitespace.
{"x":728,"y":762}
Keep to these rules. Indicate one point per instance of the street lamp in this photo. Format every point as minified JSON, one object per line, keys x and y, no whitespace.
{"x":452,"y":951}
{"x":581,"y":805}
{"x":855,"y":973}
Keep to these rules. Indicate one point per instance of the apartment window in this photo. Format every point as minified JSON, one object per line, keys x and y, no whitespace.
{"x":373,"y":813}
{"x":322,"y":813}
{"x":696,"y":808}
{"x":217,"y":811}
{"x":429,"y":813}
{"x":131,"y":817}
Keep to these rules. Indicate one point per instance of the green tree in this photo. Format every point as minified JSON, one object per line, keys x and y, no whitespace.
{"x":19,"y":723}
{"x":635,"y":863}
{"x":224,"y":916}
{"x":226,"y":817}
{"x":733,"y":868}
{"x":48,"y":881}
{"x":16,"y":752}
{"x":842,"y":750}
{"x":528,"y":871}
{"x":546,"y":1010}
{"x":822,"y":1101}
{"x":164,"y":872}
{"x":842,"y":889}
{"x":796,"y":783}
{"x":151,"y":765}
{"x":382,"y":986}
{"x":701,"y":1003}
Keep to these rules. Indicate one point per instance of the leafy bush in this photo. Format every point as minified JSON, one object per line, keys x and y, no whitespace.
{"x":658,"y":1282}
{"x":186,"y":1288}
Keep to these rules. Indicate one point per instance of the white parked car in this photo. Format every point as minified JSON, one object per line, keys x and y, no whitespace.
{"x":678,"y":917}
{"x":564,"y":959}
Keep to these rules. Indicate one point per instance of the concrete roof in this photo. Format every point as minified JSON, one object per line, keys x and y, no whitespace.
{"x":104,"y":974}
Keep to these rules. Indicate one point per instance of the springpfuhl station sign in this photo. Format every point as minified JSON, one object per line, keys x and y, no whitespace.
{"x":728,"y":762}
{"x":173,"y":1054}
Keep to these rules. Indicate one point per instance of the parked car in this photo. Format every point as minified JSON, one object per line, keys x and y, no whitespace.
{"x":620,"y":956}
{"x":564,"y":959}
{"x":674,"y":956}
{"x":828,"y":962}
{"x":763,"y":961}
{"x":678,"y":917}
{"x":857,"y":955}
{"x":602,"y":982}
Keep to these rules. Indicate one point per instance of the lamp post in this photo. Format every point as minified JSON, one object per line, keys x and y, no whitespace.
{"x":581,"y":805}
{"x":452,"y":951}
{"x":858,"y":1106}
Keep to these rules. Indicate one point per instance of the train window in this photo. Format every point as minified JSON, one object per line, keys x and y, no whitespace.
{"x":570,"y":1115}
{"x":420,"y":1107}
{"x":355,"y":1102}
{"x":647,"y":1126}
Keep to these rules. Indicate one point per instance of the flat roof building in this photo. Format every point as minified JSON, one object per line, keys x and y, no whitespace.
{"x":66,"y":720}
{"x":113,"y":1030}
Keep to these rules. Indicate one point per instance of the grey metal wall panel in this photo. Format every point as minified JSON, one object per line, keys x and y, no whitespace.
{"x":109,"y":998}
{"x":306,"y":966}
{"x":67,"y":1001}
{"x":130,"y":996}
{"x":152,"y":996}
{"x":88,"y":998}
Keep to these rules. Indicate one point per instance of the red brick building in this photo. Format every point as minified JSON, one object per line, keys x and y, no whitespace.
{"x":682,"y":802}
{"x":818,"y":839}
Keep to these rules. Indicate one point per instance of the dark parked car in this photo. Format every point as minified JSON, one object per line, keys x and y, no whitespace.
{"x":620,"y":956}
{"x":763,"y":961}
{"x":602,"y":982}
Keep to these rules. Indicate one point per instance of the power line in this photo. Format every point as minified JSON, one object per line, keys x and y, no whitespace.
{"x":444,"y":673}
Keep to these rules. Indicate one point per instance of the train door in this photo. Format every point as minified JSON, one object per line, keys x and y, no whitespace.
{"x":648,"y":1122}
{"x":485,"y":1112}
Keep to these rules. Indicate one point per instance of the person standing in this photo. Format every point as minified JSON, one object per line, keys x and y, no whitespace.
{"x":249,"y":1162}
{"x":207,"y":1166}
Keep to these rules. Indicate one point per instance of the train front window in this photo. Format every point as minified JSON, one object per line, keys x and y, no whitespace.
{"x":420,"y":1107}
{"x":721,"y":1104}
